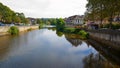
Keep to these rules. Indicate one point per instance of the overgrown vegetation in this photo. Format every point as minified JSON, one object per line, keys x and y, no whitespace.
{"x":13,"y":30}
{"x":82,"y":33}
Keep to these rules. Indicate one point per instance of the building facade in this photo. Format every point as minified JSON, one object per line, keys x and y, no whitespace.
{"x":75,"y":20}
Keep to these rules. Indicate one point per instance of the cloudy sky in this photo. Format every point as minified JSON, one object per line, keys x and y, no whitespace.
{"x":47,"y":8}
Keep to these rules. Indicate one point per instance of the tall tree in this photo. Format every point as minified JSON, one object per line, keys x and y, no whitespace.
{"x":100,"y":9}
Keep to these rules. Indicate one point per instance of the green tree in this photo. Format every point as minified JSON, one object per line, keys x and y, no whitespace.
{"x":6,"y":13}
{"x":39,"y":21}
{"x":60,"y":24}
{"x":8,"y":16}
{"x":100,"y":9}
{"x":22,"y":17}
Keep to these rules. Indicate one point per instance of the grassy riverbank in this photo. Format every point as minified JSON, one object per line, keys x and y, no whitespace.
{"x":69,"y":30}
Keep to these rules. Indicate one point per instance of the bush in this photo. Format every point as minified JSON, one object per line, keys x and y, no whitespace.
{"x":83,"y":33}
{"x":69,"y":30}
{"x":13,"y":30}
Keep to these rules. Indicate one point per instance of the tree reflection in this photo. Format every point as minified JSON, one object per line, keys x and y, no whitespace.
{"x":4,"y":46}
{"x":97,"y":61}
{"x":52,"y":28}
{"x":60,"y":34}
{"x":74,"y":39}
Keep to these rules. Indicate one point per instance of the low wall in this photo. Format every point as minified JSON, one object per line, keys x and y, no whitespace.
{"x":4,"y":29}
{"x":108,"y":38}
{"x":25,"y":28}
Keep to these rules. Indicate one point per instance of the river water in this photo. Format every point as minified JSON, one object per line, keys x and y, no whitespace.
{"x":46,"y":48}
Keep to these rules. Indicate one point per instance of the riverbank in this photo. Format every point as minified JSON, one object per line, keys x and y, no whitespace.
{"x":4,"y":29}
{"x":108,"y":38}
{"x":70,"y":30}
{"x":109,"y":53}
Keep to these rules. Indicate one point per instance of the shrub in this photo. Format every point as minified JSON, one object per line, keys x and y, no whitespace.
{"x":83,"y":33}
{"x":69,"y":30}
{"x":13,"y":30}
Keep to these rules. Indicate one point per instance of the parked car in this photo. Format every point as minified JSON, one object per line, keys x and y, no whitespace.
{"x":1,"y":24}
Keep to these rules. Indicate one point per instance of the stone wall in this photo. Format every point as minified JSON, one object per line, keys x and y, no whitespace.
{"x":4,"y":29}
{"x":111,"y":40}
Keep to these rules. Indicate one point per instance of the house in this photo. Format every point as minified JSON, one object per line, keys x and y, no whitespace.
{"x":74,"y":21}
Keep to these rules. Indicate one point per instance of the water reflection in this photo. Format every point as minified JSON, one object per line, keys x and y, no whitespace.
{"x":60,"y":34}
{"x":97,"y":61}
{"x":4,"y":46}
{"x":73,"y":39}
{"x":46,"y":49}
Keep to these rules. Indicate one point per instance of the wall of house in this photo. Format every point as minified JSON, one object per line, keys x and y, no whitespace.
{"x":74,"y":20}
{"x":77,"y":21}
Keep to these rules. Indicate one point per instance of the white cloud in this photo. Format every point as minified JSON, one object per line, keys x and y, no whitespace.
{"x":47,"y":8}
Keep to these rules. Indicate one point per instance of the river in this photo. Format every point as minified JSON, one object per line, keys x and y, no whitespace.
{"x":46,"y":48}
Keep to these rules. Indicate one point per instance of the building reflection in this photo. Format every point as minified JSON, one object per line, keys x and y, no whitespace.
{"x":73,"y":39}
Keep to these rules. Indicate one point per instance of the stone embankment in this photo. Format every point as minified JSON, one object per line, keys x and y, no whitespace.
{"x":4,"y":29}
{"x":108,"y":38}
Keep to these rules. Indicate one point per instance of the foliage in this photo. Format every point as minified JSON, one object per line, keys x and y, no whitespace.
{"x":9,"y":16}
{"x":13,"y":30}
{"x":101,"y":9}
{"x":41,"y":25}
{"x":69,"y":30}
{"x":83,"y":33}
{"x":113,"y":26}
{"x":47,"y":21}
{"x":59,"y":33}
{"x":53,"y":21}
{"x":39,"y":21}
{"x":60,"y":24}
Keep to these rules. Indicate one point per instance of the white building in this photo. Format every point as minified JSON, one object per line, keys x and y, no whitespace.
{"x":75,"y":20}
